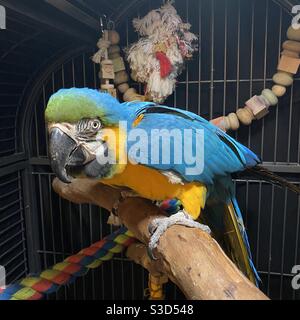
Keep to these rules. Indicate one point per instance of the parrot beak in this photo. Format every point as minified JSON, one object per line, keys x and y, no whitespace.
{"x":64,"y":153}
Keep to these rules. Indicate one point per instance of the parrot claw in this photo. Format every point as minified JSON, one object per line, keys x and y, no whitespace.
{"x":158,"y":227}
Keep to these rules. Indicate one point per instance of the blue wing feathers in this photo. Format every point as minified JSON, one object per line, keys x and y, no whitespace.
{"x":223,"y":154}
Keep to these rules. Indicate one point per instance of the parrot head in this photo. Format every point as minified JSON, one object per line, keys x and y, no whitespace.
{"x":80,"y":122}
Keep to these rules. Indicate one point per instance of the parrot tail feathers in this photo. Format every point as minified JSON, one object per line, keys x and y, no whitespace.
{"x":239,"y":242}
{"x":273,"y":178}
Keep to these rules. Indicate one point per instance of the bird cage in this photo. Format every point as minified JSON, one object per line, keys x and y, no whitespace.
{"x":47,"y":46}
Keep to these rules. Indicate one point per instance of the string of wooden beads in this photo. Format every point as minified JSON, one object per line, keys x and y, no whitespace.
{"x":258,"y":106}
{"x":113,"y":68}
{"x":106,"y":73}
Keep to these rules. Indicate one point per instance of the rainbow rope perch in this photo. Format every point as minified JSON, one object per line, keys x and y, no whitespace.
{"x":66,"y":272}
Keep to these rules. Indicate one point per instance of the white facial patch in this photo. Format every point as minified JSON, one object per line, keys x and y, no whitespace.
{"x":91,"y":148}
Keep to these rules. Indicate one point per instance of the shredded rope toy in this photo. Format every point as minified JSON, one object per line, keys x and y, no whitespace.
{"x":159,"y":56}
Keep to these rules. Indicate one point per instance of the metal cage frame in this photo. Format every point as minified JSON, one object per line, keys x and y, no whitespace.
{"x":210,"y":87}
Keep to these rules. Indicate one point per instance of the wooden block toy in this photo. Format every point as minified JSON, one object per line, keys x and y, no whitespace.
{"x":222,"y":123}
{"x":245,"y":115}
{"x":270,"y":96}
{"x":123,"y":87}
{"x":107,"y":70}
{"x":278,"y":90}
{"x":291,"y":46}
{"x":119,"y":64}
{"x":259,"y":106}
{"x":121,"y":77}
{"x":233,"y":121}
{"x":109,"y":88}
{"x":129,"y":94}
{"x":114,"y":49}
{"x":288,"y":64}
{"x":293,"y":34}
{"x":289,"y":53}
{"x":113,"y":92}
{"x":106,"y":86}
{"x":136,"y":97}
{"x":113,"y":37}
{"x":115,"y":55}
{"x":114,"y":52}
{"x":283,"y":78}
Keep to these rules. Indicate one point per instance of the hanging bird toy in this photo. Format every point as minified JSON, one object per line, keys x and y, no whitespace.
{"x":157,"y":59}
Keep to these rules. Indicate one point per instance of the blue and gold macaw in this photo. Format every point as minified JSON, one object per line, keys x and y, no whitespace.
{"x":79,"y":121}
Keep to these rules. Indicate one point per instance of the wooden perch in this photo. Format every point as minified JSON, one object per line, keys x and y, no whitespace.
{"x":191,"y":258}
{"x":137,"y":252}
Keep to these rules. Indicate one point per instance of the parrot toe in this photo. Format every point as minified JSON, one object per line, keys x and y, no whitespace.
{"x":158,"y":227}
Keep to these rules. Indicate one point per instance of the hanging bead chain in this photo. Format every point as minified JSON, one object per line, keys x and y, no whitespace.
{"x":258,"y":106}
{"x":113,"y":67}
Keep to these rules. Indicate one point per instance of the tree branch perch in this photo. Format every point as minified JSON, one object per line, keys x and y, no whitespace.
{"x":191,"y":258}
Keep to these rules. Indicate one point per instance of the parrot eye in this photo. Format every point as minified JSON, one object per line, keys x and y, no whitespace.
{"x":88,"y":127}
{"x":96,"y":124}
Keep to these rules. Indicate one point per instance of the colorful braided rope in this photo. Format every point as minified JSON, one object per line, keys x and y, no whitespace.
{"x":66,"y":272}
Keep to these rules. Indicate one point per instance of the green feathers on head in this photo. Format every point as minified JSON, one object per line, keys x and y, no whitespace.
{"x":72,"y":105}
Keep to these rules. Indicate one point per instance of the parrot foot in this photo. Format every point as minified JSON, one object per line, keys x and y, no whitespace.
{"x":158,"y":227}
